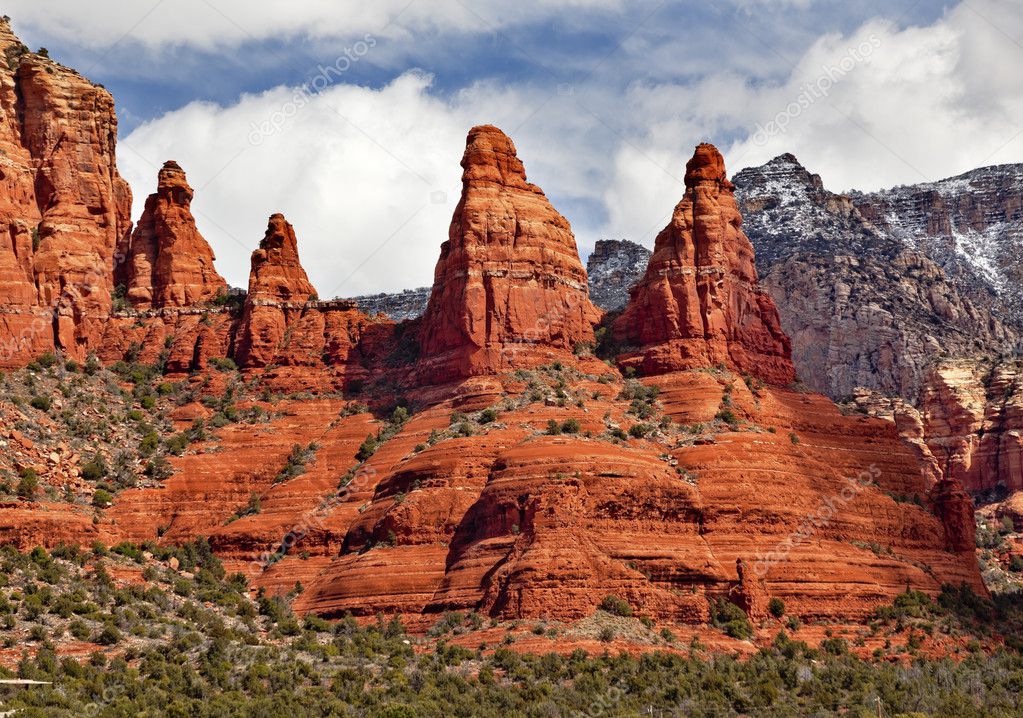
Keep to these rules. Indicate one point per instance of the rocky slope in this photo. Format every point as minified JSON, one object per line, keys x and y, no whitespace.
{"x":863,"y":308}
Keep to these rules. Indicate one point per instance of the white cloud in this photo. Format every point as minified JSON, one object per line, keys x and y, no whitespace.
{"x":368,"y":177}
{"x":212,"y":24}
{"x":926,"y":103}
{"x":923,"y":103}
{"x":916,"y":104}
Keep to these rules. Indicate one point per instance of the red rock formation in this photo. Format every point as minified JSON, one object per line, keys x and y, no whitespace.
{"x":169,"y":264}
{"x":955,"y":509}
{"x":509,"y":289}
{"x":699,"y":303}
{"x":787,"y":497}
{"x":64,"y":207}
{"x":515,"y":524}
{"x":749,"y":593}
{"x":24,"y":327}
{"x":278,"y":292}
{"x":185,"y":339}
{"x":973,"y":423}
{"x":27,"y":524}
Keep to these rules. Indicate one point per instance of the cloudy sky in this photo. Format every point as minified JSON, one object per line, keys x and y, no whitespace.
{"x":350,"y":116}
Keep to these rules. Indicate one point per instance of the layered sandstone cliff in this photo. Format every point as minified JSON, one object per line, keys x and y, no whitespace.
{"x":65,"y":208}
{"x":973,"y":423}
{"x":509,"y":289}
{"x":699,"y":303}
{"x":514,"y":522}
{"x":168,"y":263}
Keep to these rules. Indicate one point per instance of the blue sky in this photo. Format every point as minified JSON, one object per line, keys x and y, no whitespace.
{"x":604,"y":98}
{"x":761,"y":39}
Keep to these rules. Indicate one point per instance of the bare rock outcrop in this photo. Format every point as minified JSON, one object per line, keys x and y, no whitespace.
{"x":169,"y":264}
{"x":865,"y":307}
{"x":279,"y":290}
{"x":64,"y":210}
{"x":699,"y":303}
{"x":973,"y":422}
{"x":509,"y":289}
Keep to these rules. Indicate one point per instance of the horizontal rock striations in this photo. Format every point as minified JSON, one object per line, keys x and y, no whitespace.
{"x":699,"y":303}
{"x":973,"y":423}
{"x":509,"y":288}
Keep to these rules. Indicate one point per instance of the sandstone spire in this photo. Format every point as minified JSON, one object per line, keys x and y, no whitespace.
{"x":699,"y":303}
{"x":277,"y":273}
{"x":169,"y":264}
{"x":509,"y":288}
{"x":278,"y":292}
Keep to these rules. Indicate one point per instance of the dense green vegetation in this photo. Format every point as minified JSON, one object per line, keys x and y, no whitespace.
{"x":190,"y":642}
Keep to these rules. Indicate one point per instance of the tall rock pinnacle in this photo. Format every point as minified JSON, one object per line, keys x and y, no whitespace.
{"x":278,"y":292}
{"x":699,"y":303}
{"x":509,"y":288}
{"x":169,"y":264}
{"x":277,"y":274}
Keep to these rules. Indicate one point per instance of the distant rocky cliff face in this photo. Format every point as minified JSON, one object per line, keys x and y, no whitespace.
{"x":613,"y":268}
{"x":399,"y":306}
{"x":864,"y":307}
{"x":970,"y":225}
